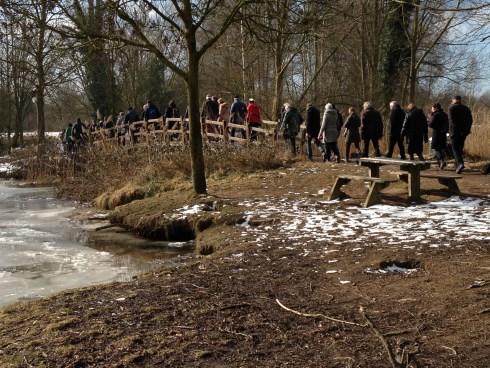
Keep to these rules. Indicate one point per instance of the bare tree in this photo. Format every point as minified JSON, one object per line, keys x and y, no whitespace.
{"x":197,"y":25}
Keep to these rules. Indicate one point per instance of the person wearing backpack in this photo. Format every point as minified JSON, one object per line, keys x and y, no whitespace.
{"x":151,"y":111}
{"x":290,"y":126}
{"x":312,"y":129}
{"x":77,"y":134}
{"x":238,"y":112}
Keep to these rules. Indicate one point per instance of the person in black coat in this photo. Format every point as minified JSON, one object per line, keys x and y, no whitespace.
{"x":290,"y":126}
{"x":371,"y":128}
{"x":351,"y":133}
{"x":460,"y":122}
{"x":312,"y":129}
{"x":439,"y":123}
{"x":397,"y":117}
{"x":150,"y":111}
{"x":131,"y":116}
{"x":172,"y":111}
{"x":416,"y":131}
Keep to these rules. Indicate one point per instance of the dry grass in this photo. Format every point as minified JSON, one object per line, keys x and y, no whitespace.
{"x":101,"y":171}
{"x":478,"y":142}
{"x":128,"y":193}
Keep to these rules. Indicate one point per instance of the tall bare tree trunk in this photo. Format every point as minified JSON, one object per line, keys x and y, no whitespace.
{"x":197,"y":155}
{"x":413,"y":57}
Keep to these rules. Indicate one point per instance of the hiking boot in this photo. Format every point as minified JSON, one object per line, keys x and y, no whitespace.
{"x":460,"y":169}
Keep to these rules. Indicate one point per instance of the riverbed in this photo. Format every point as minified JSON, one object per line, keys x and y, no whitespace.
{"x":43,"y":250}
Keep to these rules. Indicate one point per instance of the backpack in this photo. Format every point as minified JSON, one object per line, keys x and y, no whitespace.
{"x":293,"y":124}
{"x":77,"y":131}
{"x":152,"y":112}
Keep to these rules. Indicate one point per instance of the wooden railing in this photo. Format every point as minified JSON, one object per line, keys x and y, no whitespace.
{"x":176,"y":131}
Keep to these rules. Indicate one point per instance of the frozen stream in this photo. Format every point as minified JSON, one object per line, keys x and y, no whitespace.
{"x":42,"y":251}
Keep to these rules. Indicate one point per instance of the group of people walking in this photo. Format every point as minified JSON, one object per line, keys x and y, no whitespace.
{"x":410,"y":125}
{"x":217,"y":109}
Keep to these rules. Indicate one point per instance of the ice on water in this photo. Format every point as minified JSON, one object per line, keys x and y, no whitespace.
{"x":42,"y":251}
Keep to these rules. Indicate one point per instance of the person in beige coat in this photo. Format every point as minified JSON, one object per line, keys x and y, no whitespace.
{"x":224,"y":113}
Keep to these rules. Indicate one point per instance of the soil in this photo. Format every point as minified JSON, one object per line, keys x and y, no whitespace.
{"x":236,"y":307}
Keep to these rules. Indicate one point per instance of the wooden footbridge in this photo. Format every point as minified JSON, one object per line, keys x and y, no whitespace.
{"x":174,"y":131}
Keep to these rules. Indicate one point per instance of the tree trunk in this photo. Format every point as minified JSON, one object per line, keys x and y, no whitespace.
{"x":413,"y":56}
{"x":278,"y":78}
{"x":41,"y":124}
{"x":244,"y":65}
{"x":197,"y":155}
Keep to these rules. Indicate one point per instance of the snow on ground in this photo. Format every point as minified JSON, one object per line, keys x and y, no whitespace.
{"x":34,"y":134}
{"x":6,"y":167}
{"x":306,"y":221}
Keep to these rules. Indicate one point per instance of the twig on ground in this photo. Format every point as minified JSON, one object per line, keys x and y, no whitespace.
{"x":236,"y":333}
{"x":450,"y":349}
{"x":478,"y":284}
{"x":184,"y":327}
{"x":319,"y":315}
{"x":381,"y":338}
{"x":483,"y":311}
{"x":199,"y":287}
{"x":400,"y":332}
{"x":27,"y":363}
{"x":233,"y":306}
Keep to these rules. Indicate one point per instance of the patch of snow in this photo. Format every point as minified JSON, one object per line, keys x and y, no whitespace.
{"x":438,"y":223}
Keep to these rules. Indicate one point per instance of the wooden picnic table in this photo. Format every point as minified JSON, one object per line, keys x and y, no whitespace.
{"x":411,"y":167}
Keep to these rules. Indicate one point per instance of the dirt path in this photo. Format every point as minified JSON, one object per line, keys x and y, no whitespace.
{"x":314,"y":257}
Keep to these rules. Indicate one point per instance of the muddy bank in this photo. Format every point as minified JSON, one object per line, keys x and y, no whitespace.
{"x":224,"y":313}
{"x":282,"y":241}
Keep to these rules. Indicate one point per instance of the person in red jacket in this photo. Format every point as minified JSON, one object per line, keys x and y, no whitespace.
{"x":253,"y":118}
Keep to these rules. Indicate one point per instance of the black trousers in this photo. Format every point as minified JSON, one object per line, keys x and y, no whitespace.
{"x":309,"y":150}
{"x":347,"y":148}
{"x":457,"y":143}
{"x":290,"y":142}
{"x":365,"y":152}
{"x":331,"y":147}
{"x":393,"y":142}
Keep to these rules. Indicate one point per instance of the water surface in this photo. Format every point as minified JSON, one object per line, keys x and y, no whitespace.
{"x":43,"y":251}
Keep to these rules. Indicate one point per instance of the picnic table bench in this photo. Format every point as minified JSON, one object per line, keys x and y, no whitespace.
{"x":448,"y":180}
{"x":375,"y":186}
{"x":412,"y":168}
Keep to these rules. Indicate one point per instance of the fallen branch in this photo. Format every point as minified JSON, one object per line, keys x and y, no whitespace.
{"x":381,"y":338}
{"x":319,"y":315}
